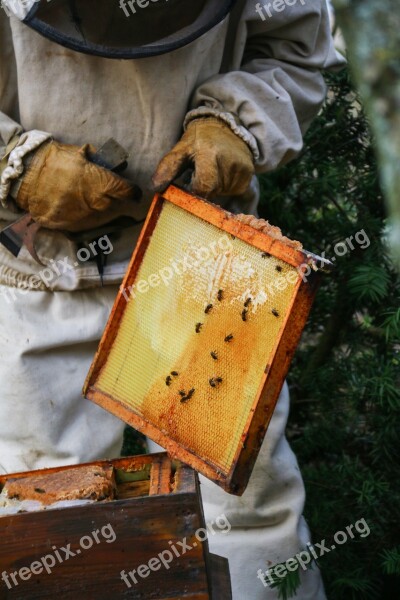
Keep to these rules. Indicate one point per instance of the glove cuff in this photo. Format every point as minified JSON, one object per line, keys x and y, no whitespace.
{"x":231,"y":120}
{"x":15,"y":153}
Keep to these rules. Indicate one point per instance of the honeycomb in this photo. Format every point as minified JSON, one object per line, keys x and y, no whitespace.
{"x":201,"y":324}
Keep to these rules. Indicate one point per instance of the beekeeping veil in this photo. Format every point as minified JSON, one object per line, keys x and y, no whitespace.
{"x":121,"y":28}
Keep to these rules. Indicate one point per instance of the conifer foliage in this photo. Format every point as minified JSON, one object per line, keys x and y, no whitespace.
{"x":345,"y":380}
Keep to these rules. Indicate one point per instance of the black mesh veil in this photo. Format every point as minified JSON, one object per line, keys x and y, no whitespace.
{"x":123,"y":28}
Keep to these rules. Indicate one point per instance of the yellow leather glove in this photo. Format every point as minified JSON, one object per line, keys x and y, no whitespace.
{"x":63,"y":190}
{"x":223,"y":162}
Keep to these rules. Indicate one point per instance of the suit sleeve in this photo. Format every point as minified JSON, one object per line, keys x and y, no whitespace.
{"x":8,"y":86}
{"x":271,"y":96}
{"x":15,"y":144}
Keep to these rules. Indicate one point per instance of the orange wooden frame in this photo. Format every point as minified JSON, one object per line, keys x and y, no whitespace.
{"x":270,"y":386}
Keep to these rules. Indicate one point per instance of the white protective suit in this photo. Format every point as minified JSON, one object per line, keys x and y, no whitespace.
{"x":51,"y":324}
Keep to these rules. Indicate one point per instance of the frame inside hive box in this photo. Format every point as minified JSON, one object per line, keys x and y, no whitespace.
{"x":202,"y":333}
{"x":151,"y":528}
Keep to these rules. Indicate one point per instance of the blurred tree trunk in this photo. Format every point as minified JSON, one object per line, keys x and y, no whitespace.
{"x":371,"y":29}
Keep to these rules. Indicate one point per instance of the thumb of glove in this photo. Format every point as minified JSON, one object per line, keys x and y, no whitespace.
{"x":171,"y":166}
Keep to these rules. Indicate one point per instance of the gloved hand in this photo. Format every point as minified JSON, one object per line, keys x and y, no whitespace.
{"x":63,"y":190}
{"x":223,"y":162}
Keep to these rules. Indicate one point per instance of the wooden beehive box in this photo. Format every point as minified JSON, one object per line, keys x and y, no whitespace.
{"x":202,"y":334}
{"x":157,"y":507}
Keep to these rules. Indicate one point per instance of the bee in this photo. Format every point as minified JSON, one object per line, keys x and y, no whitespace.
{"x":208,"y":308}
{"x":233,"y":237}
{"x":214,"y":381}
{"x":247,"y":303}
{"x":275,"y":312}
{"x":174,"y":373}
{"x":182,"y":393}
{"x":214,"y":355}
{"x":198,"y":327}
{"x":228,"y":338}
{"x":265,"y":255}
{"x":279,"y":269}
{"x":220,"y":295}
{"x":188,"y":395}
{"x":244,"y":314}
{"x":168,"y":380}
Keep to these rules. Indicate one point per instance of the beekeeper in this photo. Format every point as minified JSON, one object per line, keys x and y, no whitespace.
{"x":226,"y":87}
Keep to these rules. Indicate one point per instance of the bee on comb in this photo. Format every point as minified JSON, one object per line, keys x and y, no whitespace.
{"x":188,"y":395}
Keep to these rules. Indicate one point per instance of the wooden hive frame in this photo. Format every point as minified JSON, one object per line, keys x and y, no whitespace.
{"x":236,"y":479}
